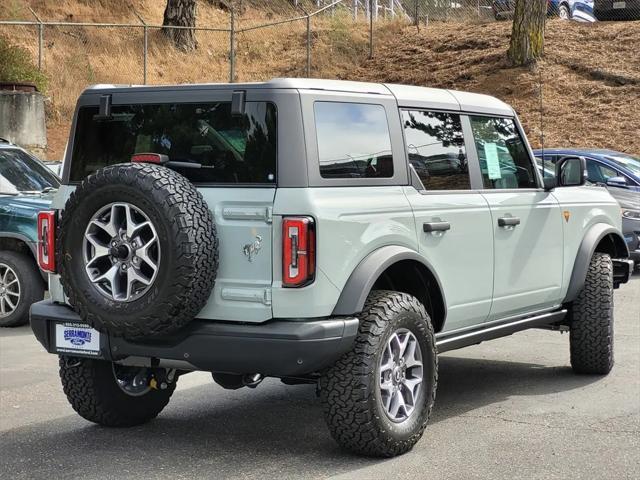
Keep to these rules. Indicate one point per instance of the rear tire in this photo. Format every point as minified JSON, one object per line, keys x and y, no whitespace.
{"x":186,"y":245}
{"x":591,"y":320}
{"x":352,"y":392}
{"x":93,"y":392}
{"x":18,"y":295}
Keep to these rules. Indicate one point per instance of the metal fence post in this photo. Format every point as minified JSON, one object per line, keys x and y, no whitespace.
{"x":308,"y":46}
{"x":232,"y":46}
{"x":144,"y":48}
{"x":371,"y":28}
{"x":40,"y":37}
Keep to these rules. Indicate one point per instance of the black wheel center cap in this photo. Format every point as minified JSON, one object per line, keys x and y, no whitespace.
{"x":121,"y":252}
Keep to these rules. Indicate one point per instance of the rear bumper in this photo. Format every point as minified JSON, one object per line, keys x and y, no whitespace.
{"x":275,"y":348}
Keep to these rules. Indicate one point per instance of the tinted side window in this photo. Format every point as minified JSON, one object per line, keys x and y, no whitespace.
{"x":227,"y":149}
{"x":353,"y":140}
{"x":435,"y":145}
{"x":21,"y":173}
{"x":599,"y":173}
{"x":549,"y":165}
{"x":504,"y":160}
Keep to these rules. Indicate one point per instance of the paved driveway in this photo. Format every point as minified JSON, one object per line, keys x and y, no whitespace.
{"x":508,"y":409}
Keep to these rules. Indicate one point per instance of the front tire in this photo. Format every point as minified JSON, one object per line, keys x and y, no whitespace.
{"x":20,"y":286}
{"x":363,"y":412}
{"x":95,"y":394}
{"x":591,"y":320}
{"x":564,"y":13}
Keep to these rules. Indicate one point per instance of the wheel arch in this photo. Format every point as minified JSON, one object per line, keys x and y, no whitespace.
{"x":394,"y":268}
{"x":18,"y":243}
{"x":599,"y":238}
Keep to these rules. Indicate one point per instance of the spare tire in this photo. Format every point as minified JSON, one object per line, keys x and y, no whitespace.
{"x":137,"y":250}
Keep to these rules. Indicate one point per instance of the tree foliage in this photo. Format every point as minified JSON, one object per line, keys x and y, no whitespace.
{"x":16,"y":66}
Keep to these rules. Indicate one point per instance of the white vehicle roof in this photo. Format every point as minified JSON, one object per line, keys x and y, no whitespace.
{"x":406,"y":95}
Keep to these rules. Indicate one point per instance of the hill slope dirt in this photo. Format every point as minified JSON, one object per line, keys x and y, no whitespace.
{"x":591,"y":73}
{"x":590,"y":76}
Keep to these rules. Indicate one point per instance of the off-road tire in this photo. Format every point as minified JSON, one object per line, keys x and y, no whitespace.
{"x":188,"y":245}
{"x":591,"y":320}
{"x":31,"y":286}
{"x":92,"y":391}
{"x":349,"y":389}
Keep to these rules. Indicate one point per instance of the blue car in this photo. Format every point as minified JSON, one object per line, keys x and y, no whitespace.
{"x":619,"y":172}
{"x":565,"y":9}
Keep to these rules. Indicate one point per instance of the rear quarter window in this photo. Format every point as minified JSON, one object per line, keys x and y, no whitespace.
{"x":353,"y":140}
{"x":225,"y":148}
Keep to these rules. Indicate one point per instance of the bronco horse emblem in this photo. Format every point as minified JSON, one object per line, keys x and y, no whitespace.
{"x":252,"y":249}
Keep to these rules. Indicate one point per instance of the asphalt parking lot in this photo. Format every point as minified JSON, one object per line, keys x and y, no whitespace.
{"x":510,"y":408}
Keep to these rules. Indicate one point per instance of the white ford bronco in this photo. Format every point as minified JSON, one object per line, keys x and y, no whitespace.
{"x":327,"y":232}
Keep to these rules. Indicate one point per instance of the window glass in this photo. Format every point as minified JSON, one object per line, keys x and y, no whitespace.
{"x":626,"y":161}
{"x":549,"y":165}
{"x":229,"y":149}
{"x":21,"y":173}
{"x":504,"y":160}
{"x":353,"y":140}
{"x":435,"y":145}
{"x":599,"y":173}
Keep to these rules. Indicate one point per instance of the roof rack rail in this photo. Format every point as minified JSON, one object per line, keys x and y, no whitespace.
{"x":4,"y":140}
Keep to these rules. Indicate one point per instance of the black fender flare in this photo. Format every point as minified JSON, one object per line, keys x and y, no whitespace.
{"x":31,"y":245}
{"x":587,"y":248}
{"x":362,"y":279}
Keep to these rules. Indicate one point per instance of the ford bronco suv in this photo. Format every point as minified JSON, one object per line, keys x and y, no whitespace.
{"x":327,"y":232}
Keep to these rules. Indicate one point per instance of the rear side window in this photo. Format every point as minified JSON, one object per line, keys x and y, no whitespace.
{"x":435,"y":145}
{"x":353,"y":140}
{"x":503,"y":156}
{"x":224,"y":148}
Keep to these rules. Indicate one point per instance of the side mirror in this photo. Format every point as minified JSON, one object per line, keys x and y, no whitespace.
{"x":571,"y":171}
{"x":549,"y":183}
{"x":619,"y":182}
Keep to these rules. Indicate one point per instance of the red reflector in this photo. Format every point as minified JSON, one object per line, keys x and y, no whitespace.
{"x":47,"y":241}
{"x":298,"y":251}
{"x":156,"y":158}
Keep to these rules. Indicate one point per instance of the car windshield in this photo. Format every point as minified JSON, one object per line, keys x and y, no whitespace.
{"x":19,"y":172}
{"x":626,"y":161}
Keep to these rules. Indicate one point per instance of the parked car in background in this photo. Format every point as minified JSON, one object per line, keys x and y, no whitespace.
{"x":565,"y":9}
{"x":617,"y":171}
{"x":26,"y":187}
{"x":616,"y":10}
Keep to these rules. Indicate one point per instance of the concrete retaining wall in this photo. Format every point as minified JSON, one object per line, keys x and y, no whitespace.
{"x":22,"y":120}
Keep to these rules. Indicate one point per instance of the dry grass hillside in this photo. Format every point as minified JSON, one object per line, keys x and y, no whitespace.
{"x":591,"y":73}
{"x":591,"y":76}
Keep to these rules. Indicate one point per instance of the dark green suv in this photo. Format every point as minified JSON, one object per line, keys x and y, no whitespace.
{"x":26,"y":186}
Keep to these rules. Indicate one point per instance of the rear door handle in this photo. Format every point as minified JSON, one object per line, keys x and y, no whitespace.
{"x":508,"y":221}
{"x":436,"y":227}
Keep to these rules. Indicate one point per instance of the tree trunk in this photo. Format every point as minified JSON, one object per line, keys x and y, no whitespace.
{"x":181,"y":13}
{"x":527,"y":35}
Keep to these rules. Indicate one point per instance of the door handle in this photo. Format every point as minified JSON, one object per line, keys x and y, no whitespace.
{"x":436,"y":227}
{"x":508,"y":221}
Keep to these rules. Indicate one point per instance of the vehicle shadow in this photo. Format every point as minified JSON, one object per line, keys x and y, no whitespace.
{"x":273,"y":431}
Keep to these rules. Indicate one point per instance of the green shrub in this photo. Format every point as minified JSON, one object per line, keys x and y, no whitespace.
{"x":16,"y":66}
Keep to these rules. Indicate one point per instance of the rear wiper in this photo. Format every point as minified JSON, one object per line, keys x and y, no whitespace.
{"x":177,"y":164}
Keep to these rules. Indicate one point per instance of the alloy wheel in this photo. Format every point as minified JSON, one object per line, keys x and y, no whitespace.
{"x":400,"y":375}
{"x":10,"y":290}
{"x":121,"y":252}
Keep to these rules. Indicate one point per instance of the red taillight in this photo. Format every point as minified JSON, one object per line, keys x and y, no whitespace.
{"x":298,"y":251}
{"x":47,"y":241}
{"x":156,"y":158}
